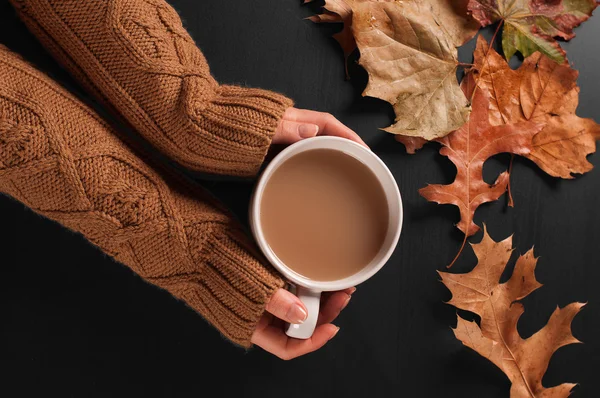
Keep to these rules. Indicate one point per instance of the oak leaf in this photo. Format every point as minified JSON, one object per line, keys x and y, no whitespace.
{"x":532,"y":25}
{"x":468,"y":148}
{"x":408,"y":49}
{"x":543,"y":92}
{"x":524,"y":361}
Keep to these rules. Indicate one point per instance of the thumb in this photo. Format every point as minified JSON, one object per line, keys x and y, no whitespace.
{"x":289,"y":132}
{"x":284,"y":305}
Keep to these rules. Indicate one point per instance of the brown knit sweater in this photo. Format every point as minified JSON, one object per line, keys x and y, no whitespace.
{"x":136,"y":55}
{"x":60,"y":159}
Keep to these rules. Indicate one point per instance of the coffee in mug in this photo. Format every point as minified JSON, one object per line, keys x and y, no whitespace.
{"x":324,"y":214}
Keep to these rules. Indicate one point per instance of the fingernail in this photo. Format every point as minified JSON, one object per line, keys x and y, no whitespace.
{"x":334,"y":333}
{"x":352,"y":290}
{"x":308,"y":130}
{"x":346,"y":303}
{"x":297,"y":314}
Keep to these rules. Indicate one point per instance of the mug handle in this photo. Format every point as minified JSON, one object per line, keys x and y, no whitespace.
{"x":311,"y":300}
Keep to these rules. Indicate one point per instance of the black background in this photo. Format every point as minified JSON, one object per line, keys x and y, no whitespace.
{"x":73,"y":323}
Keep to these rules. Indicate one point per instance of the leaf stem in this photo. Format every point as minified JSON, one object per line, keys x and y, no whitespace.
{"x":459,"y":252}
{"x":495,"y":34}
{"x":511,"y":202}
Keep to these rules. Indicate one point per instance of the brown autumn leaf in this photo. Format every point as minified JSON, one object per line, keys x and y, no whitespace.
{"x":453,"y":15}
{"x":543,"y":92}
{"x":532,"y":25}
{"x":468,"y":148}
{"x":408,"y":48}
{"x":524,"y":361}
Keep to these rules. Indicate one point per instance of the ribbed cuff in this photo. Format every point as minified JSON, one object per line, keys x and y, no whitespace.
{"x":243,"y":121}
{"x":232,"y":288}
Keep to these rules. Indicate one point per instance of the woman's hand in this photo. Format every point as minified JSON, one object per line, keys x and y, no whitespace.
{"x":285,"y":307}
{"x":298,"y":124}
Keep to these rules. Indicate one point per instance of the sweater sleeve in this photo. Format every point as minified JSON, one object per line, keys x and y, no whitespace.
{"x":136,"y":56}
{"x":63,"y":161}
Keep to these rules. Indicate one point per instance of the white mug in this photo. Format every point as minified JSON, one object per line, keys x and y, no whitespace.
{"x":308,"y":290}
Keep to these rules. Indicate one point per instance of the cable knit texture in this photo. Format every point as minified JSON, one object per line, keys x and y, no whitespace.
{"x":136,"y":55}
{"x":60,"y":159}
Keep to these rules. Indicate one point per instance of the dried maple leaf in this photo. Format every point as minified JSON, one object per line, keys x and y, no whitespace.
{"x":468,"y":148}
{"x":453,"y":15}
{"x":408,"y":48}
{"x":543,"y":92}
{"x":411,"y":61}
{"x":524,"y":361}
{"x":532,"y":25}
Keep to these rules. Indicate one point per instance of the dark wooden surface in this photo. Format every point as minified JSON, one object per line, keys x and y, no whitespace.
{"x":74,"y":323}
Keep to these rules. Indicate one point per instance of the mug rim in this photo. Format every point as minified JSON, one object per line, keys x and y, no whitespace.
{"x":255,"y":222}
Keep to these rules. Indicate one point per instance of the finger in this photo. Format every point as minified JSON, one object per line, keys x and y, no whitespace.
{"x":275,"y":341}
{"x":325,"y":295}
{"x":284,"y":305}
{"x":289,"y":132}
{"x":320,"y":337}
{"x":333,"y":127}
{"x":263,"y":322}
{"x":332,"y":305}
{"x":328,"y":125}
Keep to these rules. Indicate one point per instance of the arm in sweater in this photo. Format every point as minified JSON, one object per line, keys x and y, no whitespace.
{"x":136,"y":56}
{"x":61,"y":160}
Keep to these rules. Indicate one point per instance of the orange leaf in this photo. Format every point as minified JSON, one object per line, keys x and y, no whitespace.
{"x":468,"y":148}
{"x":543,"y":92}
{"x":524,"y":361}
